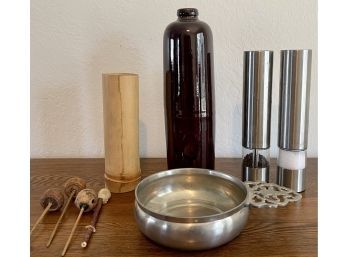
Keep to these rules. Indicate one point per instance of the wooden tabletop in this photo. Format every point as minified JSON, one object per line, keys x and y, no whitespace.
{"x":284,"y":231}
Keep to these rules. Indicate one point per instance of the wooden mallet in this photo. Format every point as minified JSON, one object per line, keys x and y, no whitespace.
{"x":51,"y":200}
{"x":71,"y":188}
{"x":104,"y":195}
{"x":85,"y":200}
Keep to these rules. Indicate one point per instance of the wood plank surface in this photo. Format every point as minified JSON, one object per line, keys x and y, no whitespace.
{"x":284,"y":231}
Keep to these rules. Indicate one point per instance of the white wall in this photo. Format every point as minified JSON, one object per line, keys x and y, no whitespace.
{"x":74,"y":41}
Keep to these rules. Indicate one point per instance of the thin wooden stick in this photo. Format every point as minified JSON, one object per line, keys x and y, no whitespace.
{"x":41,"y":217}
{"x":60,"y":218}
{"x":72,"y":231}
{"x":91,"y":228}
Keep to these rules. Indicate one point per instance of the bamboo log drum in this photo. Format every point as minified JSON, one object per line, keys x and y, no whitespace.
{"x":121,"y":131}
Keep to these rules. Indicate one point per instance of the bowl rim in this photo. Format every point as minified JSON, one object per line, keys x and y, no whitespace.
{"x":200,"y":219}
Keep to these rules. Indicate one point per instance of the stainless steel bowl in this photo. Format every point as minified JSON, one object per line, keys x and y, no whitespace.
{"x":191,"y":209}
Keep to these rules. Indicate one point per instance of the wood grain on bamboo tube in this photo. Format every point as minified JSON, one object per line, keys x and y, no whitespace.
{"x":121,"y":131}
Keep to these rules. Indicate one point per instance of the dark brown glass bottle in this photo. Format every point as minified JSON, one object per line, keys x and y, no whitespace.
{"x":189,"y":92}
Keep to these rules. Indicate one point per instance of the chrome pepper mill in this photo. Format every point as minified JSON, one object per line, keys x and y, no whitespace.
{"x":295,"y":68}
{"x":257,"y":100}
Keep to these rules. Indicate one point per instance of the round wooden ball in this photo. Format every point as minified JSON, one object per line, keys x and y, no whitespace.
{"x":104,"y":194}
{"x":74,"y":184}
{"x":87,"y":199}
{"x":54,"y":196}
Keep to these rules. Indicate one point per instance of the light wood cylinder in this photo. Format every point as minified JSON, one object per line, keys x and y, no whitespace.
{"x":121,"y":131}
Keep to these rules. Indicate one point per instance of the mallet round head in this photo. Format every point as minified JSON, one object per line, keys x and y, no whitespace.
{"x":54,"y":196}
{"x":104,"y":194}
{"x":74,"y":184}
{"x":87,"y":199}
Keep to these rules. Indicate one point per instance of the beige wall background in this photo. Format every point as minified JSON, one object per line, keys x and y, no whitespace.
{"x":74,"y":42}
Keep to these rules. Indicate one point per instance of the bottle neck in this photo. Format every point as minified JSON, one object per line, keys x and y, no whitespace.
{"x":188,"y":18}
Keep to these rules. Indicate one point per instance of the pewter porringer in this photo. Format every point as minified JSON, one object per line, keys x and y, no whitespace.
{"x":198,"y":209}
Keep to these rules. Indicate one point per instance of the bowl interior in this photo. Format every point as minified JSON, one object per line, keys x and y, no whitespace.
{"x":190,"y":193}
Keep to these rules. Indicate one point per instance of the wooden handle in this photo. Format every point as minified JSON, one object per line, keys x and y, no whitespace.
{"x":41,"y":217}
{"x":92,"y":227}
{"x":72,"y":232}
{"x":121,"y":131}
{"x":60,"y":219}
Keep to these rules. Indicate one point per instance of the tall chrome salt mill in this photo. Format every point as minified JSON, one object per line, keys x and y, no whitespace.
{"x":295,"y":68}
{"x":257,"y":95}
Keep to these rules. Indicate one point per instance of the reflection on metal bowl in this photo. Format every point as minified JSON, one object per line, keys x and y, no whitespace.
{"x":191,"y":209}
